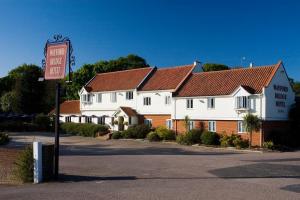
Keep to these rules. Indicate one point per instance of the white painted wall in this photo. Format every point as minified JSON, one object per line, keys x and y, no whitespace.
{"x":224,"y":108}
{"x":273,"y":112}
{"x":157,"y":106}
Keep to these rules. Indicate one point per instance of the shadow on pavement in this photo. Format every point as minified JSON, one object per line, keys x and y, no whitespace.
{"x":259,"y":170}
{"x":94,"y":150}
{"x":292,"y":188}
{"x":79,"y":178}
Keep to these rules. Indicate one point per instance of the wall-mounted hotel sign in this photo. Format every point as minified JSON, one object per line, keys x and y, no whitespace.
{"x":56,"y":59}
{"x":280,"y":97}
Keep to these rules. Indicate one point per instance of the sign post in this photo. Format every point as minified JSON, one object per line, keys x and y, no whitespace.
{"x":57,"y":52}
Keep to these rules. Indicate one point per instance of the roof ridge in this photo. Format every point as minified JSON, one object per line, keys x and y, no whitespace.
{"x":237,"y":69}
{"x":178,"y":66}
{"x":126,"y":70}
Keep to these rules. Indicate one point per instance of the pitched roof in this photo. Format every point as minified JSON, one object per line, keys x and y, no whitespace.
{"x":167,"y":78}
{"x":227,"y":81}
{"x":69,"y":107}
{"x":129,"y":111}
{"x":119,"y":80}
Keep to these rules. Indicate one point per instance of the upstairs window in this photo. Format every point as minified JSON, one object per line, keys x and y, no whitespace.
{"x":86,"y":98}
{"x":147,"y":101}
{"x":129,"y":95}
{"x":99,"y":98}
{"x":241,"y":102}
{"x":211,"y":103}
{"x":113,"y":97}
{"x":167,"y":100}
{"x":189,"y":103}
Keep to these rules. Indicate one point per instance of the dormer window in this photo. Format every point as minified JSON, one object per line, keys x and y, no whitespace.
{"x":211,"y":103}
{"x":241,"y":102}
{"x":129,"y":95}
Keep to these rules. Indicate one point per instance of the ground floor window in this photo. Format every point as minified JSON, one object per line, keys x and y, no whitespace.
{"x":148,"y":122}
{"x":169,"y":123}
{"x":101,"y":120}
{"x":79,"y":119}
{"x":212,"y":126}
{"x":191,"y":125}
{"x":88,"y":119}
{"x":68,"y":119}
{"x":129,"y":121}
{"x":241,"y":127}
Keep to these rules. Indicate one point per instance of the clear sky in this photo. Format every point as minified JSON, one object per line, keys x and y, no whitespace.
{"x":164,"y":32}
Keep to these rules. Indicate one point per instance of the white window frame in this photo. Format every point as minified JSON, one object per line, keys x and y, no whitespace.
{"x":86,"y":98}
{"x":241,"y":127}
{"x":113,"y":97}
{"x":147,"y":101}
{"x":191,"y":125}
{"x":99,"y":97}
{"x":212,"y":126}
{"x":211,"y":103}
{"x":168,"y":100}
{"x":189,"y":103}
{"x":129,"y":95}
{"x":148,"y":122}
{"x":242,"y":102}
{"x":88,"y":119}
{"x":68,"y":119}
{"x":169,"y":124}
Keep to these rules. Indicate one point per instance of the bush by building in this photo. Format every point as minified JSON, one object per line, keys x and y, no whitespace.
{"x":164,"y":133}
{"x":209,"y":138}
{"x":24,"y":165}
{"x":116,"y":135}
{"x":4,"y":139}
{"x":191,"y":137}
{"x":43,"y":122}
{"x":136,"y":132}
{"x":153,"y":136}
{"x":86,"y":130}
{"x":269,"y":145}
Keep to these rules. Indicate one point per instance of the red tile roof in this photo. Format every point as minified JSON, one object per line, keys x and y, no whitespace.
{"x":167,"y":78}
{"x":119,"y":80}
{"x":226,"y":81}
{"x":69,"y":107}
{"x":129,"y":111}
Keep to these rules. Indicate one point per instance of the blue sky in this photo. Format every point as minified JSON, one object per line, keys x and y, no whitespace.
{"x":165,"y":32}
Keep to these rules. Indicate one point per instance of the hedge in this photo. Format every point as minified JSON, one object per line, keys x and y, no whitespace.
{"x":136,"y":132}
{"x":209,"y":138}
{"x":4,"y":138}
{"x":191,"y":137}
{"x":24,"y":165}
{"x":164,"y":133}
{"x":86,"y":130}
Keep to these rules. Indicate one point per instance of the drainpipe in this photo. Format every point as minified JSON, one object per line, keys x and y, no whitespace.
{"x":261,"y":131}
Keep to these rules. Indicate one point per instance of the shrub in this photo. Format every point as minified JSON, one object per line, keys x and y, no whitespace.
{"x":42,"y":121}
{"x":191,"y":137}
{"x":116,"y":135}
{"x":181,"y":139}
{"x":268,"y":145}
{"x":227,"y":140}
{"x":153,"y":136}
{"x":136,"y":132}
{"x":164,"y":133}
{"x":4,"y":138}
{"x":11,"y":126}
{"x":239,"y":143}
{"x":209,"y":138}
{"x":86,"y":130}
{"x":24,"y":165}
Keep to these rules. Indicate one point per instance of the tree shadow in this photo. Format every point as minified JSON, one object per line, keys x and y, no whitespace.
{"x":258,"y":170}
{"x":95,"y":150}
{"x":80,"y":178}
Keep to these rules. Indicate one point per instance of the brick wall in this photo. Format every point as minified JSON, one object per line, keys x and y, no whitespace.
{"x":227,"y":127}
{"x":157,"y":120}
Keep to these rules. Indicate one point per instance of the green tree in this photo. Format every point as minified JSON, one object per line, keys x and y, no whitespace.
{"x":296,"y":86}
{"x":28,"y":90}
{"x":251,"y":123}
{"x":8,"y":102}
{"x":214,"y":67}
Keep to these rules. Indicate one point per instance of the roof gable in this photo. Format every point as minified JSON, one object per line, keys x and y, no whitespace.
{"x":167,"y":78}
{"x":227,"y":81}
{"x":119,"y":80}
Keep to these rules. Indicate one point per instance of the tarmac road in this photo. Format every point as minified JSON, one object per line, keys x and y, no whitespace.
{"x":126,"y":169}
